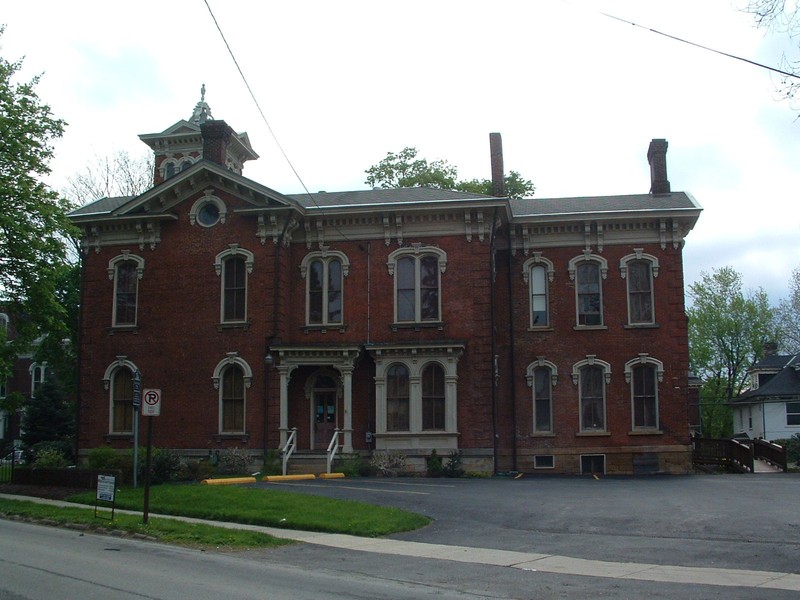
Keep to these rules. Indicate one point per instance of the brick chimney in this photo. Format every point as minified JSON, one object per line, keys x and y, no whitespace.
{"x":498,"y":174}
{"x":657,"y":157}
{"x":216,"y":137}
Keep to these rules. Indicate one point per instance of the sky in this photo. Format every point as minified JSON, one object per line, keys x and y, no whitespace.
{"x":576,"y":95}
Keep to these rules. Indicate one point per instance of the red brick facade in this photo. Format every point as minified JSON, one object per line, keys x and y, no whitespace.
{"x":464,"y":371}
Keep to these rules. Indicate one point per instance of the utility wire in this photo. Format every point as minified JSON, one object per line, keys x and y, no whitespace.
{"x":701,"y":46}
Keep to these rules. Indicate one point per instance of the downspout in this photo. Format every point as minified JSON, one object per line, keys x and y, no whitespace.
{"x":268,"y":361}
{"x":79,"y":352}
{"x":493,"y":327}
{"x":512,"y":355}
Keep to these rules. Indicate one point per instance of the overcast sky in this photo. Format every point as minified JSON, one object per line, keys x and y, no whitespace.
{"x":576,"y":95}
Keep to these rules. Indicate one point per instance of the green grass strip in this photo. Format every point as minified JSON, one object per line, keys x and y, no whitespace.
{"x":269,"y":507}
{"x":158,"y":529}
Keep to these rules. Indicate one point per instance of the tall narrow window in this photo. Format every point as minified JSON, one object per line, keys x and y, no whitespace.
{"x":122,"y":401}
{"x":433,"y":397}
{"x":125,"y":292}
{"x":792,"y":413}
{"x":640,"y":292}
{"x":235,"y":289}
{"x":539,"y":317}
{"x":417,"y":283}
{"x":325,"y":292}
{"x":232,"y":400}
{"x":542,"y":401}
{"x":38,"y":372}
{"x":589,"y":290}
{"x":592,"y":398}
{"x":397,"y":398}
{"x":645,"y":399}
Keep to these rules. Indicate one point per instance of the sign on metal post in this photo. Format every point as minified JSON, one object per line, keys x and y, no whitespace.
{"x":137,"y":389}
{"x":137,"y":401}
{"x":106,"y":492}
{"x":151,"y":405}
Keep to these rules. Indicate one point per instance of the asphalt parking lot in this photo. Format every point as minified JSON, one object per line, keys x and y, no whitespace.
{"x":731,"y":521}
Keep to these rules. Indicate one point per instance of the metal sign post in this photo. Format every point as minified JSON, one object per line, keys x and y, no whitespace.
{"x":151,"y":407}
{"x":137,"y":402}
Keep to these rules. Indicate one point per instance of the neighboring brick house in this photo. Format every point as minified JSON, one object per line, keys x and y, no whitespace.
{"x":770,"y":409}
{"x":398,"y":316}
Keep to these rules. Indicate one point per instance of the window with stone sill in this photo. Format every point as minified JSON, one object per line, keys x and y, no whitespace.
{"x":542,"y":376}
{"x":234,"y":266}
{"x":324,"y":272}
{"x":125,"y":271}
{"x":417,"y":283}
{"x":538,"y":273}
{"x":588,"y":271}
{"x":639,"y":270}
{"x":232,"y":378}
{"x":592,"y":376}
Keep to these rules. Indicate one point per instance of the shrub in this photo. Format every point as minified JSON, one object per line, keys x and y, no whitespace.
{"x":352,"y":465}
{"x":434,"y":465}
{"x":104,"y":457}
{"x":164,"y":466}
{"x":233,"y":461}
{"x":454,"y":467}
{"x":388,"y":463}
{"x":50,"y":458}
{"x":272,"y":463}
{"x":62,"y":447}
{"x":194,"y":470}
{"x":792,"y":446}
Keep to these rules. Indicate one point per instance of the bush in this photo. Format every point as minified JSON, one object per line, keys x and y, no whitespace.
{"x":792,"y":446}
{"x":104,"y":457}
{"x":50,"y":458}
{"x":165,"y":465}
{"x":454,"y":467}
{"x":233,"y":461}
{"x":352,"y":465}
{"x":273,"y":465}
{"x":434,"y":465}
{"x":194,"y":470}
{"x":61,"y":447}
{"x":388,"y":463}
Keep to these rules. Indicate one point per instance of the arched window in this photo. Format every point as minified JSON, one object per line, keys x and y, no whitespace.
{"x":591,"y":376}
{"x":639,"y":269}
{"x":416,"y":271}
{"x":542,"y":400}
{"x":38,"y":373}
{"x":324,"y":273}
{"x":125,"y":271}
{"x":234,"y":265}
{"x":538,"y":272}
{"x":433,"y":400}
{"x":588,"y":272}
{"x":644,"y":374}
{"x":397,"y":398}
{"x":232,"y":400}
{"x":122,"y":401}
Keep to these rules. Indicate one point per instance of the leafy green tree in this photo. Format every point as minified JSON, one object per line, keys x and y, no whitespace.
{"x":789,"y":315}
{"x":48,"y":416}
{"x":33,"y":223}
{"x":404,"y":169}
{"x":727,"y":333}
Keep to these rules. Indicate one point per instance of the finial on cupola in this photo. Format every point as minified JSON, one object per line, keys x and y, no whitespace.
{"x":202,"y":111}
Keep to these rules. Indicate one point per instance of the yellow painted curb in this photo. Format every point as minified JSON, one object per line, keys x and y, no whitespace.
{"x":331,"y":475}
{"x":231,"y":481}
{"x":279,"y":478}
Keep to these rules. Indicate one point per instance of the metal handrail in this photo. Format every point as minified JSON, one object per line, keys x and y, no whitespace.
{"x":289,"y":447}
{"x":333,"y":448}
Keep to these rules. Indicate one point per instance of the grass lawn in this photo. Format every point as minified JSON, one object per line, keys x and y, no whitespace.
{"x":273,"y":508}
{"x":164,"y":530}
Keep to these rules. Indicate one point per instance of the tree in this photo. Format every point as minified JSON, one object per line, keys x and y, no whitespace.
{"x":789,"y":315}
{"x":117,"y":175}
{"x":404,"y":169}
{"x":783,"y":17}
{"x":49,"y":417}
{"x":33,"y":223}
{"x":727,"y":334}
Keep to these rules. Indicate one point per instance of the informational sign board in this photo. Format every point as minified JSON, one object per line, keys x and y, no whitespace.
{"x":106,"y":487}
{"x":151,"y":403}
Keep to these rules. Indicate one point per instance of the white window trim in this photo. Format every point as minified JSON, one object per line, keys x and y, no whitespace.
{"x":219,"y":263}
{"x":537,"y":260}
{"x":645,"y":359}
{"x":417,"y":251}
{"x":592,"y":360}
{"x":640,"y":255}
{"x":574,"y":262}
{"x":39,"y":369}
{"x":325,"y":256}
{"x":231,"y":359}
{"x":787,"y":413}
{"x":113,"y":265}
{"x":122,"y":362}
{"x":208,"y":198}
{"x":541,"y":363}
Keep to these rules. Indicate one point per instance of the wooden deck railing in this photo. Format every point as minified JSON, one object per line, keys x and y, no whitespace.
{"x":729,"y":454}
{"x":770,"y":452}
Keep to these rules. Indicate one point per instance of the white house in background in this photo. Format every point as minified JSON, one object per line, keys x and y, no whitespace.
{"x":770,"y":409}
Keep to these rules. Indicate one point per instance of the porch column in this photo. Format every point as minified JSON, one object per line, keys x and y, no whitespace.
{"x":347,"y":380}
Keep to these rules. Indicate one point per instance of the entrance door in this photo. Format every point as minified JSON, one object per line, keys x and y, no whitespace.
{"x":324,"y":417}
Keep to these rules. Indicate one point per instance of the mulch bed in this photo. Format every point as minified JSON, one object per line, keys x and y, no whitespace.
{"x":52,"y":492}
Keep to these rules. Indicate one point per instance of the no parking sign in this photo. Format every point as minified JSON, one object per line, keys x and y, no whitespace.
{"x":151,"y":403}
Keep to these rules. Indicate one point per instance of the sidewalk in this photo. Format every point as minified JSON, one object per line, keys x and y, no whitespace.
{"x":525,"y":561}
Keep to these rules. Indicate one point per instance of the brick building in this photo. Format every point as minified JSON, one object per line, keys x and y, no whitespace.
{"x":535,"y":335}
